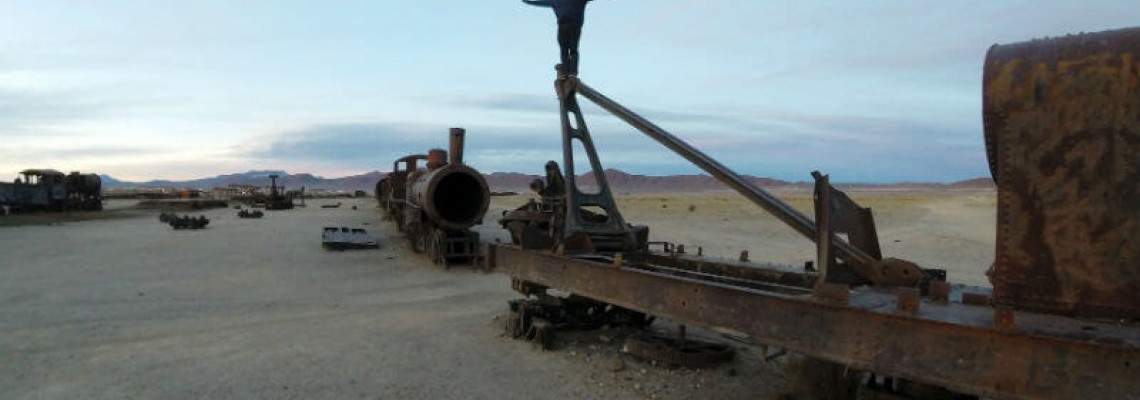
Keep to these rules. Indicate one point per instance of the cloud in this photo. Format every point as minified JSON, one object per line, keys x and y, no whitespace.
{"x":515,"y":102}
{"x":851,"y":148}
{"x":547,"y":105}
{"x":23,"y":109}
{"x":376,"y":145}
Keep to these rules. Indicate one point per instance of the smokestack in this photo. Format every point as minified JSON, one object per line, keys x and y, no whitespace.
{"x":456,"y":144}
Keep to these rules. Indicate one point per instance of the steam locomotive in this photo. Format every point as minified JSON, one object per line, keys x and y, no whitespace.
{"x":437,"y":205}
{"x":51,"y":190}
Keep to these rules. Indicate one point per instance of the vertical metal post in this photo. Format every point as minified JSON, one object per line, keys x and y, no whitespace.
{"x":823,"y":233}
{"x":613,"y":230}
{"x":456,"y":145}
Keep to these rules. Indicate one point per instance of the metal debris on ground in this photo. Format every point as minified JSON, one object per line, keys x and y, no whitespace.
{"x":678,"y":351}
{"x":184,"y":222}
{"x":250,"y":214}
{"x":537,"y":319}
{"x":344,"y":238}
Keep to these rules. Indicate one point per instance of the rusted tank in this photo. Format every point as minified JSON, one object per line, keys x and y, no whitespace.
{"x":1062,"y":130}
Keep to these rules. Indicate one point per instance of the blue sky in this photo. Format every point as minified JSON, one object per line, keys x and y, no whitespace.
{"x":868,"y":91}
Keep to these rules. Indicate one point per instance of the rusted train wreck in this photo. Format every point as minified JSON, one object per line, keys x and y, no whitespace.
{"x":1062,"y":321}
{"x":51,"y":190}
{"x":436,"y":206}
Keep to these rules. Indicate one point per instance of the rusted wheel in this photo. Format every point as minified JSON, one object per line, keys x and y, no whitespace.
{"x":513,"y":326}
{"x":543,"y":333}
{"x":678,"y":352}
{"x":418,"y":239}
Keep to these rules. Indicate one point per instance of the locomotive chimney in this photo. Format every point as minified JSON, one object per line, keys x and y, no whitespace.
{"x":456,"y":144}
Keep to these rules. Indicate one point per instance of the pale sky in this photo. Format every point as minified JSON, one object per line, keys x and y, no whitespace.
{"x":867,"y":91}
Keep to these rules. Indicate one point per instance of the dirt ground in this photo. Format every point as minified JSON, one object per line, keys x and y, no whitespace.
{"x":122,"y":306}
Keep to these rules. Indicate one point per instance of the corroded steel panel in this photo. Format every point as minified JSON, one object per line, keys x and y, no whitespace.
{"x":1062,"y":121}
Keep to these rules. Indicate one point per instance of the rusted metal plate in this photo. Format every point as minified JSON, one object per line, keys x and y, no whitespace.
{"x":951,"y":345}
{"x":1062,"y":120}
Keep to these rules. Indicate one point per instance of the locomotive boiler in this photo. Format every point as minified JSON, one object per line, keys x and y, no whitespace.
{"x":437,"y":205}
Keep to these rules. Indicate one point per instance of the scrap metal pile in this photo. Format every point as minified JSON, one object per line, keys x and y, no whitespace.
{"x":345,"y":238}
{"x":248,"y":214}
{"x":184,"y":221}
{"x":435,"y":207}
{"x":1062,"y":321}
{"x":278,"y":199}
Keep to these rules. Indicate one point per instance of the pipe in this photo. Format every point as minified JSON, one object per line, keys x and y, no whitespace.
{"x":456,"y":144}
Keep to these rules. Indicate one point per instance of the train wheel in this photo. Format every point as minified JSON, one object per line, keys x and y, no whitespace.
{"x":435,"y":248}
{"x":513,"y":326}
{"x":819,"y":379}
{"x":416,"y":239}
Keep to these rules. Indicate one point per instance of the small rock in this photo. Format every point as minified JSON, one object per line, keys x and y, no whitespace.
{"x":604,"y":338}
{"x":141,"y":294}
{"x":643,"y":370}
{"x":617,"y":365}
{"x":637,"y":386}
{"x":573,"y":353}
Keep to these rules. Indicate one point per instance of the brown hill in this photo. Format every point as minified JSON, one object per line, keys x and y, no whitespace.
{"x":976,"y":183}
{"x":620,"y":182}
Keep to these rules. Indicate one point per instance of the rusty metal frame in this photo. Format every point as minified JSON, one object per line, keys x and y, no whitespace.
{"x":579,"y":233}
{"x":873,"y":269}
{"x":949,"y":344}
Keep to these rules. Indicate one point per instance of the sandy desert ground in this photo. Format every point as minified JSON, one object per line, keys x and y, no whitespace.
{"x":125,"y":307}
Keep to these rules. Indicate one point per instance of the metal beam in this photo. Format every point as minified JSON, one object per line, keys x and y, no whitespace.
{"x":782,"y":211}
{"x":950,"y":345}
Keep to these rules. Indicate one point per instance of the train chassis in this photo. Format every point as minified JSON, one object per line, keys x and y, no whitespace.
{"x":1050,"y":328}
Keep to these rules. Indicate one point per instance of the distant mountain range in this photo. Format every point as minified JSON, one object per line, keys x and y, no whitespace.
{"x":365,"y":181}
{"x":511,"y":181}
